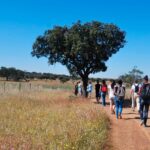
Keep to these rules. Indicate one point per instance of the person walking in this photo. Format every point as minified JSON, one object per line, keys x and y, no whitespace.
{"x":111,"y":87}
{"x":79,"y":88}
{"x":145,"y":102}
{"x":119,"y":93}
{"x":135,"y":93}
{"x":97,"y":91}
{"x":89,"y":89}
{"x":104,"y":92}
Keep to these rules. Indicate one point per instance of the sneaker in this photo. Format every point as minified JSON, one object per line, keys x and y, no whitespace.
{"x":142,"y":122}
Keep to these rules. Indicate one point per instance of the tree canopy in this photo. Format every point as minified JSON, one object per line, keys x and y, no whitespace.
{"x":82,"y":48}
{"x":132,"y":76}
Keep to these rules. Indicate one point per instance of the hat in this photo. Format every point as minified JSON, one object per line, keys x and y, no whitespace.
{"x":146,"y":78}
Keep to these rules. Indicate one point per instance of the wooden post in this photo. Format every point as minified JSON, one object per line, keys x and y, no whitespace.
{"x":30,"y":86}
{"x":4,"y":87}
{"x":19,"y":86}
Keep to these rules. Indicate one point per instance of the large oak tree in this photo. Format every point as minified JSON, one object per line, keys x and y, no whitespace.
{"x":82,"y":48}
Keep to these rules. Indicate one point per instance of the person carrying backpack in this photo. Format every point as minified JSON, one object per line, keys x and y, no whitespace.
{"x":136,"y":99}
{"x":119,"y":93}
{"x":97,"y":91}
{"x":145,"y":102}
{"x":104,"y":92}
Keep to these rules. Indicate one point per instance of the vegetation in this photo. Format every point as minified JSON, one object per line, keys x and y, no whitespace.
{"x":132,"y":76}
{"x":16,"y":75}
{"x":82,"y":48}
{"x":20,"y":75}
{"x":11,"y":73}
{"x":46,"y":120}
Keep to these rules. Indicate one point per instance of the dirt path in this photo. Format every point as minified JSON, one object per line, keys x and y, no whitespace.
{"x":127,"y":134}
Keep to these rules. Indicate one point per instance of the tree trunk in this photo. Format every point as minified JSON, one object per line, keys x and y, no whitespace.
{"x":85,"y":83}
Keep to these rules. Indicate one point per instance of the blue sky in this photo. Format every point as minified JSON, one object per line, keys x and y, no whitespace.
{"x":21,"y":21}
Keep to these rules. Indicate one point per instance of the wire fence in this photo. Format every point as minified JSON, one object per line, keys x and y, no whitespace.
{"x":18,"y":87}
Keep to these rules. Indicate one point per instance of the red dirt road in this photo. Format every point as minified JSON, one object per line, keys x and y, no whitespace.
{"x":126,"y":133}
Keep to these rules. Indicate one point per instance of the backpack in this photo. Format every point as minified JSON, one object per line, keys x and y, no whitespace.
{"x":120,"y":92}
{"x":104,"y":88}
{"x":136,"y":88}
{"x":145,"y":92}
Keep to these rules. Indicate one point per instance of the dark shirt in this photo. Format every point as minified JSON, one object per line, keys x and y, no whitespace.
{"x":97,"y":88}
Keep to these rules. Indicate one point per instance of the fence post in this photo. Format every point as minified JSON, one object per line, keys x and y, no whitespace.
{"x":4,"y":87}
{"x":30,"y":86}
{"x":19,"y":86}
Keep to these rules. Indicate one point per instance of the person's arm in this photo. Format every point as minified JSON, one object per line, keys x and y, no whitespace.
{"x":115,"y":90}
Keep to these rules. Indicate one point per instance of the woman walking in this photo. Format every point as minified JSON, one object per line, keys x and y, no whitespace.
{"x":104,"y":92}
{"x":119,"y":98}
{"x":145,"y":102}
{"x":112,"y":96}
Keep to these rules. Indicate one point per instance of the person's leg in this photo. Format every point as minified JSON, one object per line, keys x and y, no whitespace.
{"x":120,"y":108}
{"x":117,"y":108}
{"x":110,"y":105}
{"x":97,"y":99}
{"x":146,"y":113}
{"x":102,"y":96}
{"x":104,"y":99}
{"x":133,"y":103}
{"x":141,"y":109}
{"x":138,"y":103}
{"x":114,"y":104}
{"x":103,"y":103}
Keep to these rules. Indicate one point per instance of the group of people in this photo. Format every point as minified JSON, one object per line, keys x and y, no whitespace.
{"x":116,"y":92}
{"x":140,"y":94}
{"x":79,"y":89}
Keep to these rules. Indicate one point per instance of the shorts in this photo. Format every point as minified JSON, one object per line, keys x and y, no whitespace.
{"x":112,"y":99}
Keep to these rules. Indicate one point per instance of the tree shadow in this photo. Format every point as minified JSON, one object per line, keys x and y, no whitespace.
{"x":132,"y":118}
{"x":129,"y":113}
{"x":100,"y":103}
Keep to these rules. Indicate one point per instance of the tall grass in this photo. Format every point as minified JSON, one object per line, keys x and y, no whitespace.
{"x":51,"y":121}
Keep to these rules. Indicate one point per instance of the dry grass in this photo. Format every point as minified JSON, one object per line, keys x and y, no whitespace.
{"x":49,"y":120}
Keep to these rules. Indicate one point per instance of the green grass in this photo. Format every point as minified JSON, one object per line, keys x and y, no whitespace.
{"x":50,"y":121}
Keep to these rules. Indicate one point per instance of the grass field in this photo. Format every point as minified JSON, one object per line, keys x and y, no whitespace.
{"x":51,"y":120}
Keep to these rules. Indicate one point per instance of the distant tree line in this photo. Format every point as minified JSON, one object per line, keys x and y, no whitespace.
{"x":14,"y":74}
{"x":18,"y":75}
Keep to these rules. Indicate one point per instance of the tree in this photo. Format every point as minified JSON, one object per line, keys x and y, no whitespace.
{"x":11,"y":73}
{"x":4,"y":72}
{"x":82,"y":48}
{"x":136,"y":74}
{"x":132,"y":76}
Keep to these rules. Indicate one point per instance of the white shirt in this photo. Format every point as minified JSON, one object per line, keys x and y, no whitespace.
{"x":111,"y":92}
{"x":79,"y":87}
{"x":89,"y":88}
